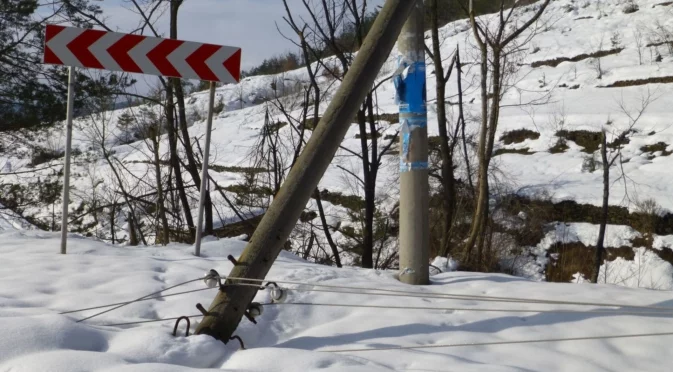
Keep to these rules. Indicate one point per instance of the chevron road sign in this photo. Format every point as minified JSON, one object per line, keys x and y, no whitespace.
{"x":113,"y":51}
{"x":77,"y":47}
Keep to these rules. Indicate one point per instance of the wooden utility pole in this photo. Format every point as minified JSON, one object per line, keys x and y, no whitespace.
{"x":230,"y":304}
{"x":411,"y":95}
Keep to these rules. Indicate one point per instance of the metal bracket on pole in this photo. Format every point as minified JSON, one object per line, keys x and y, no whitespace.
{"x":66,"y":165}
{"x":204,"y":171}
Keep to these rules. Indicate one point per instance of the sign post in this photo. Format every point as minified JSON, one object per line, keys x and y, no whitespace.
{"x":113,"y":51}
{"x":204,"y":172}
{"x":66,"y":165}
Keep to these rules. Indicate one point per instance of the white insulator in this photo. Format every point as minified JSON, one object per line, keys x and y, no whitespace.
{"x":211,"y":279}
{"x":277,"y":294}
{"x":256,"y":309}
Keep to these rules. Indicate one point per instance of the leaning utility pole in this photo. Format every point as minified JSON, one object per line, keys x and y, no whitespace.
{"x":231,"y":302}
{"x":411,"y":96}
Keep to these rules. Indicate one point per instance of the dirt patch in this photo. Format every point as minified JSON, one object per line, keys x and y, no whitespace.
{"x":523,"y":151}
{"x":245,"y":170}
{"x":633,"y":83}
{"x":591,"y":141}
{"x":351,"y":202}
{"x":518,"y":136}
{"x":559,"y":147}
{"x":245,"y":189}
{"x":275,"y":127}
{"x":369,"y":136}
{"x":567,"y":259}
{"x":310,"y":123}
{"x":659,"y":146}
{"x":557,"y":61}
{"x":571,"y":211}
{"x":390,"y":118}
{"x":239,"y":228}
{"x":573,"y":87}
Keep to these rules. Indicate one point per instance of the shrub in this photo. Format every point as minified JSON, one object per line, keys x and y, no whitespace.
{"x":630,"y":7}
{"x":518,"y":136}
{"x":590,"y":164}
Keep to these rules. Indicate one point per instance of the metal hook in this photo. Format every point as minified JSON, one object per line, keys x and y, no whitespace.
{"x":265,"y":286}
{"x":239,"y":341}
{"x":250,"y":318}
{"x":189,"y":325}
{"x":202,"y":309}
{"x":232,"y":259}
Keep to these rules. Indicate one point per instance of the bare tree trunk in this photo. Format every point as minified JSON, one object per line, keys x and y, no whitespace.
{"x":461,"y":118}
{"x":133,"y":221}
{"x":325,"y":228}
{"x":133,"y":236}
{"x":497,"y":40}
{"x":600,"y":249}
{"x":175,"y":161}
{"x":113,"y":213}
{"x":165,"y":229}
{"x":448,"y":180}
{"x":192,"y":167}
{"x":482,"y":180}
{"x":368,"y":223}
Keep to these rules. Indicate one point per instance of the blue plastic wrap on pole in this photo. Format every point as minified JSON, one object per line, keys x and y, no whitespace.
{"x":411,"y":97}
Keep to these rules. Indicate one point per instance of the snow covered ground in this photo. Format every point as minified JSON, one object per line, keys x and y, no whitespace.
{"x":36,"y":284}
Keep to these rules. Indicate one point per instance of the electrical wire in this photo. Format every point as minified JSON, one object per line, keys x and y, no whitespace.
{"x":138,"y":299}
{"x":474,"y":309}
{"x":144,"y":299}
{"x":443,"y":295}
{"x":499,"y":343}
{"x":149,"y":321}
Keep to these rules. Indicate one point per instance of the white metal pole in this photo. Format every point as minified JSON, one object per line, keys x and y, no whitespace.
{"x":66,"y":166}
{"x":204,"y":171}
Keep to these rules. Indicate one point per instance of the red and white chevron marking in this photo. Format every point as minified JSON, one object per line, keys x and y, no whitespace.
{"x":114,"y":51}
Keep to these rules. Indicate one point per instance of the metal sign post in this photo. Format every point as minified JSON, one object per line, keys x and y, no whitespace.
{"x":204,"y":171}
{"x":66,"y":165}
{"x":113,"y":51}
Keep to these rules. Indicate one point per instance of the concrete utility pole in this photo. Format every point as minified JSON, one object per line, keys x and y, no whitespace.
{"x":230,"y":304}
{"x":410,"y":85}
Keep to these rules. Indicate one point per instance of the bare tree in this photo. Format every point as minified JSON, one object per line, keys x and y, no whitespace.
{"x":609,"y":157}
{"x":496,"y":45}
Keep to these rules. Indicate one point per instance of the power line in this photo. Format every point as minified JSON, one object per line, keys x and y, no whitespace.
{"x":474,"y":309}
{"x":499,"y":343}
{"x":389,"y":292}
{"x":138,"y":299}
{"x":149,"y":321}
{"x":144,"y":299}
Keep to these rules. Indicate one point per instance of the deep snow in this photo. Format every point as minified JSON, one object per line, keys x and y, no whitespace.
{"x":36,"y":284}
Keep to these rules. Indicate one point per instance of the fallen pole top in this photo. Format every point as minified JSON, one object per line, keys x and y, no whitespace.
{"x":87,"y":48}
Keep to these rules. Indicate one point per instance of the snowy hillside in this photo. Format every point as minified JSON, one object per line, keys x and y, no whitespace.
{"x":36,"y":284}
{"x":592,"y":65}
{"x":559,"y":75}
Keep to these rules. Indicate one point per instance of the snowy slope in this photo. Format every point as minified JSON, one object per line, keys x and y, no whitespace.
{"x":36,"y":284}
{"x":569,"y":29}
{"x":574,"y":99}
